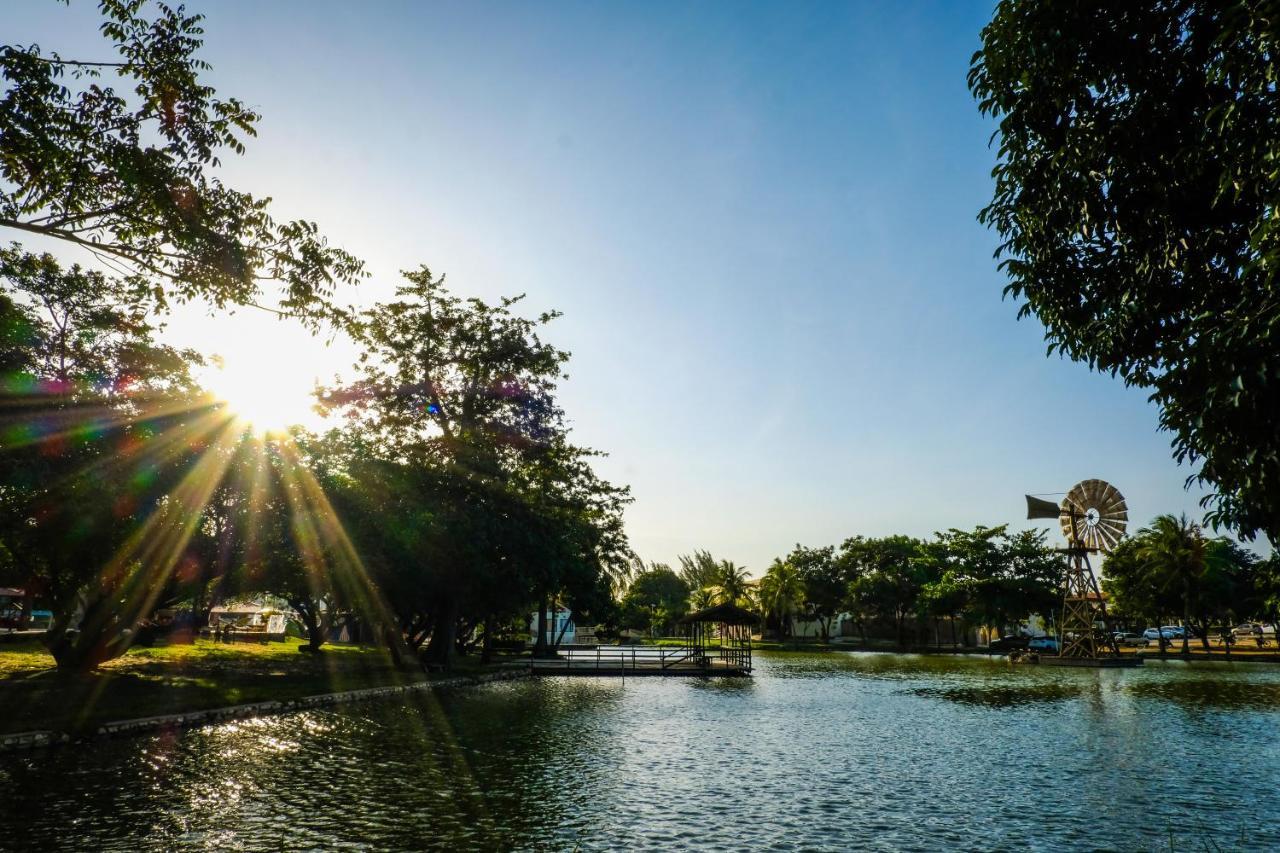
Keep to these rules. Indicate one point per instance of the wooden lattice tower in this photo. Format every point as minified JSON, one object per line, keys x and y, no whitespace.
{"x":1093,"y":517}
{"x":1082,"y":608}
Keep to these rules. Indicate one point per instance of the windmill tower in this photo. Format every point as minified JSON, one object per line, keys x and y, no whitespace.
{"x":1093,"y":517}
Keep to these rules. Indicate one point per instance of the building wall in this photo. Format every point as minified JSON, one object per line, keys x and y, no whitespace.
{"x":560,"y":619}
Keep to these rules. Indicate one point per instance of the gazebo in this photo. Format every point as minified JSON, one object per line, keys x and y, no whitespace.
{"x":734,"y":625}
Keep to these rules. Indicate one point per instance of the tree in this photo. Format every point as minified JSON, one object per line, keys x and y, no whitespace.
{"x":1133,"y":589}
{"x":699,"y":569}
{"x":97,"y":409}
{"x":1169,"y":568}
{"x":731,"y":583}
{"x":462,"y":394}
{"x":127,"y":174}
{"x":996,"y":577}
{"x":1267,"y":588}
{"x":824,"y":580}
{"x":701,"y":598}
{"x":655,"y":598}
{"x":782,"y":592}
{"x":1135,"y":194}
{"x":1174,"y":548}
{"x":888,"y":579}
{"x":1228,"y":588}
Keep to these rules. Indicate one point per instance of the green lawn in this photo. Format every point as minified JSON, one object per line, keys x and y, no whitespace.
{"x":179,"y":678}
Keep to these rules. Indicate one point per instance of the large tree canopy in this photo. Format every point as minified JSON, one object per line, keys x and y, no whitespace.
{"x":1136,"y":193}
{"x":128,"y":173}
{"x":107,"y":445}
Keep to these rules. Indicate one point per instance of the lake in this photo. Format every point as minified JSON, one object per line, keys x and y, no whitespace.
{"x":817,"y":751}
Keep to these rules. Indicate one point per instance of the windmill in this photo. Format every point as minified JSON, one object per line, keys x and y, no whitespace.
{"x":1093,"y":516}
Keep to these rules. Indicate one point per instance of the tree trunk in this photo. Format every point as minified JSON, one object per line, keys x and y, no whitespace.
{"x":540,"y":643}
{"x":440,"y":648}
{"x":560,"y":636}
{"x":486,"y":648}
{"x":313,"y":623}
{"x":1186,"y":616}
{"x":98,"y":636}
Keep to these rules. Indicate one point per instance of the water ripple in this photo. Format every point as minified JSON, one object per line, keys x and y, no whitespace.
{"x":821,"y":752}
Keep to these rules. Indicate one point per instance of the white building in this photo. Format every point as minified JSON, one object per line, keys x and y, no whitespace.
{"x":560,"y":620}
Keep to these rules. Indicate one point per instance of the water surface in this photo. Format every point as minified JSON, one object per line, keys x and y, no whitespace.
{"x":827,"y":751}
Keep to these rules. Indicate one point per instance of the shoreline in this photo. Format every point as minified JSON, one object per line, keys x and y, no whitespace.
{"x":1194,"y":656}
{"x":190,"y":719}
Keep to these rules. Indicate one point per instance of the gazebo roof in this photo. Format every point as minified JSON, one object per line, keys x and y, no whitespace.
{"x":725,"y":614}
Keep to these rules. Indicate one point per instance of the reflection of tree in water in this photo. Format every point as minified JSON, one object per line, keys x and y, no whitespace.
{"x":1211,"y":693}
{"x":1002,"y":695}
{"x":486,"y":768}
{"x":879,"y":665}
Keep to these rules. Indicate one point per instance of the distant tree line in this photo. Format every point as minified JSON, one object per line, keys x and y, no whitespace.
{"x":961,"y":579}
{"x":943,"y":589}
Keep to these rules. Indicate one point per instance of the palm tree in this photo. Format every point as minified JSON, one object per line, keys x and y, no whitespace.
{"x":702,"y":598}
{"x":781,"y":593}
{"x":1175,"y":549}
{"x":731,"y":582}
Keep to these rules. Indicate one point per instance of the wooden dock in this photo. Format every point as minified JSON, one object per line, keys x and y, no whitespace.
{"x":627,"y":661}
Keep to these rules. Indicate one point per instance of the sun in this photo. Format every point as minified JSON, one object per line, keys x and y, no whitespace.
{"x":265,"y":396}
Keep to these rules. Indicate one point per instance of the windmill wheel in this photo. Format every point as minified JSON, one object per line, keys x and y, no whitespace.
{"x":1094,"y":513}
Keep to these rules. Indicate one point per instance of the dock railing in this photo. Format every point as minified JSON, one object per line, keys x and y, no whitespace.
{"x":625,"y":658}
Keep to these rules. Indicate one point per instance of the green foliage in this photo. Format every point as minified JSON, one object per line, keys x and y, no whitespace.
{"x":699,"y":569}
{"x":731,"y":583}
{"x":654,"y":600}
{"x":1135,"y":197}
{"x":782,"y":593}
{"x":825,"y":583}
{"x":446,"y":380}
{"x":1267,"y":589}
{"x":454,"y":405}
{"x":989,"y":577}
{"x":85,"y":467}
{"x":127,"y":173}
{"x":1170,"y":571}
{"x":982,"y":577}
{"x":888,"y":577}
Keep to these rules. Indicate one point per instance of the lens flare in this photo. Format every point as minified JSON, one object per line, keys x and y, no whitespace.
{"x":268,"y":397}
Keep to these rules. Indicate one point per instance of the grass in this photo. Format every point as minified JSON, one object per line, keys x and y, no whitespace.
{"x":179,"y":678}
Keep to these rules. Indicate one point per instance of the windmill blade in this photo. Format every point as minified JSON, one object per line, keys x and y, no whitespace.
{"x":1101,"y":515}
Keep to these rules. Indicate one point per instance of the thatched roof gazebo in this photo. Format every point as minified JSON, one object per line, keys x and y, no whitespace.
{"x":734,"y":626}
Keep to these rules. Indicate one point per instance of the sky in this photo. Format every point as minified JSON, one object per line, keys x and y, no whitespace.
{"x":759,"y":221}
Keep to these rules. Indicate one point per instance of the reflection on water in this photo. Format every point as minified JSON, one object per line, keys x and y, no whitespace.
{"x":1002,"y":696}
{"x":822,"y":751}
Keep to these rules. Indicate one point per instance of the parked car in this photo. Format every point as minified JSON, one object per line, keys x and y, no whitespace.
{"x":1126,"y":638}
{"x":1246,"y":630}
{"x":1173,"y":632}
{"x":1043,"y":644}
{"x":1004,"y":645}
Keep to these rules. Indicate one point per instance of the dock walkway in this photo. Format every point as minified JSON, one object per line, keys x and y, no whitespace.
{"x":641,"y":661}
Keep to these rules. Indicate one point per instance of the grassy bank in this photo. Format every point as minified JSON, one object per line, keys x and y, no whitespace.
{"x":180,"y":678}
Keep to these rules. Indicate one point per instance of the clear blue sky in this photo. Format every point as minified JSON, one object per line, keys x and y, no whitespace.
{"x":758,"y":219}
